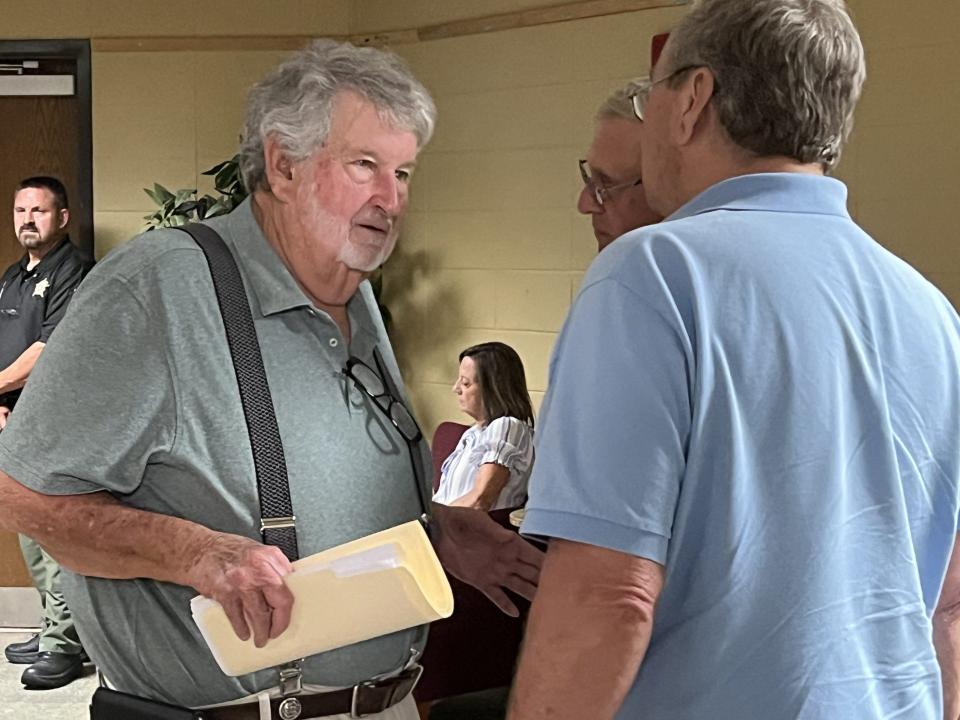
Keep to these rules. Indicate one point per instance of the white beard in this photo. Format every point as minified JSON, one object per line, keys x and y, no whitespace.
{"x":353,"y":252}
{"x":366,"y":257}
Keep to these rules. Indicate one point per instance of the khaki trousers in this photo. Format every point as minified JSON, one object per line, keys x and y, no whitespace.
{"x":58,"y":633}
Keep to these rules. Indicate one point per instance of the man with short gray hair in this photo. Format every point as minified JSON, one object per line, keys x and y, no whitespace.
{"x":747,"y":459}
{"x":613,"y":194}
{"x":146,"y":465}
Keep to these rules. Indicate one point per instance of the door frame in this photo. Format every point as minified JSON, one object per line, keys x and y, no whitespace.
{"x":78,"y":50}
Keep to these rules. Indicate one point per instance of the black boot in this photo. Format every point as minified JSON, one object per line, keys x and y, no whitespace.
{"x":24,"y":653}
{"x":52,"y":670}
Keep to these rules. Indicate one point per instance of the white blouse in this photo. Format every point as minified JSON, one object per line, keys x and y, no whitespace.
{"x":505,"y":441}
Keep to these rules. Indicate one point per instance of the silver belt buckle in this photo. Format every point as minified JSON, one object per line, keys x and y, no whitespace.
{"x":290,"y":709}
{"x":291,"y":683}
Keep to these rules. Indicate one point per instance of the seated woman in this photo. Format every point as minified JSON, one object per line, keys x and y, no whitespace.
{"x":490,"y":467}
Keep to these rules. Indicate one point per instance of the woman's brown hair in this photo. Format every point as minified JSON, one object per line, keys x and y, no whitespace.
{"x":503,"y":384}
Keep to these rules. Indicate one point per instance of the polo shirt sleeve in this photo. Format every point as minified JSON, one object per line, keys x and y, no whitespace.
{"x":100,"y":404}
{"x":610,"y":444}
{"x":505,"y":441}
{"x":66,"y":284}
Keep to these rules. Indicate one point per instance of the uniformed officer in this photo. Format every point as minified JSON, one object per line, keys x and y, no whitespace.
{"x":34,"y":293}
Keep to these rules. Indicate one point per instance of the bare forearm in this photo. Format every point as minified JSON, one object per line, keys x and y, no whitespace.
{"x":587,"y":635}
{"x":578,"y":663}
{"x":15,"y":375}
{"x":946,"y":639}
{"x":475,"y":499}
{"x":95,"y":535}
{"x":488,"y":484}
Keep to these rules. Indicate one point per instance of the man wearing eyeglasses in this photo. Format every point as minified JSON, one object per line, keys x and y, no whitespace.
{"x":748,"y":457}
{"x":612,"y":192}
{"x":147,"y":465}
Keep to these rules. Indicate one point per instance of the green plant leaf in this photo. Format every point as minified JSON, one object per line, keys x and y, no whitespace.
{"x":218,"y":208}
{"x":216,"y":168}
{"x":184,"y":194}
{"x":153,"y":196}
{"x":190,"y":206}
{"x":226,"y":178}
{"x":162,"y":193}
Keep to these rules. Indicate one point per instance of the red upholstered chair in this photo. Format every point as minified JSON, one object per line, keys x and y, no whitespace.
{"x":476,"y":647}
{"x":445,"y":439}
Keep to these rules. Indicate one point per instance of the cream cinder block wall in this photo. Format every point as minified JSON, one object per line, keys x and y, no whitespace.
{"x":168,"y":116}
{"x":45,"y":19}
{"x":905,"y":150}
{"x":380,"y":15}
{"x":162,"y":117}
{"x":493,"y":248}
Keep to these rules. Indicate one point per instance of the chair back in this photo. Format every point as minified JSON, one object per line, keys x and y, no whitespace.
{"x":445,"y":439}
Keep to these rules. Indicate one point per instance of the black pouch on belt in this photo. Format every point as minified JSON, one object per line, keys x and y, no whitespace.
{"x":109,"y":704}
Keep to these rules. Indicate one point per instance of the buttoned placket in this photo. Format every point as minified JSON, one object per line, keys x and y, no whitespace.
{"x":328,"y":334}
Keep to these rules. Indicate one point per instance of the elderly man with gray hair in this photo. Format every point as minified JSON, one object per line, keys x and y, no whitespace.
{"x":748,"y":461}
{"x":613,"y":194}
{"x":140,"y":479}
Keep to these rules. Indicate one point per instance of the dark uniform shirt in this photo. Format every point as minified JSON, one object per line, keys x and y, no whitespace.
{"x":32,"y":302}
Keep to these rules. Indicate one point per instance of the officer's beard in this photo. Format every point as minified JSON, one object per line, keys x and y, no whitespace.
{"x":30,"y":237}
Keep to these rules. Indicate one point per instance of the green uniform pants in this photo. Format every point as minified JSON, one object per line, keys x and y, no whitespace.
{"x":58,"y":633}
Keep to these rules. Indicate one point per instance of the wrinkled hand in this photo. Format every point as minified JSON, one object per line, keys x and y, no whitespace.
{"x":246,"y":578}
{"x":475,"y":549}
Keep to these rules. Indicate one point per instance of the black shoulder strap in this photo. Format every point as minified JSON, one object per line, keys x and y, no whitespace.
{"x":276,"y":511}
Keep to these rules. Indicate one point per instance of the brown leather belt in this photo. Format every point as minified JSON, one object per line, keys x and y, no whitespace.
{"x":368,"y":698}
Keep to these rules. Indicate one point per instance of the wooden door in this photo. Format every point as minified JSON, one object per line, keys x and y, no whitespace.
{"x":37,"y":137}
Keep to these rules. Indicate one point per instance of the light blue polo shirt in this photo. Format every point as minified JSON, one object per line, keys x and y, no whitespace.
{"x":758,"y":396}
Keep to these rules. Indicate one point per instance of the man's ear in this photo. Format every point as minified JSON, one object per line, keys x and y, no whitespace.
{"x":278,"y":169}
{"x":64,"y":218}
{"x":696,"y":92}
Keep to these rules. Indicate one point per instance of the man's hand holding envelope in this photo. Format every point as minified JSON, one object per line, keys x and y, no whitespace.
{"x":247,"y":578}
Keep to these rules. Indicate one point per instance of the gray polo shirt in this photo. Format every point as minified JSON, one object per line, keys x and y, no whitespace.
{"x":137,"y":395}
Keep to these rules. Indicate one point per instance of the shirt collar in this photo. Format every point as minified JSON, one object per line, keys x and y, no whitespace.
{"x":270,"y":282}
{"x":777,"y":192}
{"x":51,"y":259}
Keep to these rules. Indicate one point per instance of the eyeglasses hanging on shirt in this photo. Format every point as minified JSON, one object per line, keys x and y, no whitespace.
{"x":378,"y":386}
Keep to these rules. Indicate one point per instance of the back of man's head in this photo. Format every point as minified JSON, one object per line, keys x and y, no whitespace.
{"x":293,"y":104}
{"x":45,"y":182}
{"x":788,"y":72}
